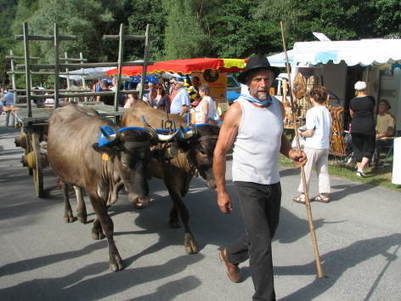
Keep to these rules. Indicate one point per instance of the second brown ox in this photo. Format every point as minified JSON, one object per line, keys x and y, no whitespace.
{"x":176,"y":162}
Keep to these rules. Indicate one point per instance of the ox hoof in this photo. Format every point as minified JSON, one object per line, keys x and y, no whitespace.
{"x":69,"y":218}
{"x":138,"y":205}
{"x":97,"y":234}
{"x":141,"y":203}
{"x":82,"y":218}
{"x":190,"y":244}
{"x":116,"y":263}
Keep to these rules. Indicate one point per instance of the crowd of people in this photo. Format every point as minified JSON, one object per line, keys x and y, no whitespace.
{"x":370,"y":136}
{"x":176,"y":96}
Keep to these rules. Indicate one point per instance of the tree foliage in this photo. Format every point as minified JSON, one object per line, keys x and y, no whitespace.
{"x":144,"y":12}
{"x":184,"y":36}
{"x":7,"y":13}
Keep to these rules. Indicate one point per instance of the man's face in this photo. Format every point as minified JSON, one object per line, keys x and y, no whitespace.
{"x":383,"y":108}
{"x":260,"y":83}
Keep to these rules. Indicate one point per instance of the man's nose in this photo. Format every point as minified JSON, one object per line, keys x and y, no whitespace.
{"x":263,"y":84}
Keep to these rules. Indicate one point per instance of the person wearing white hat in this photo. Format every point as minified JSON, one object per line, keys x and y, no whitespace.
{"x":362,"y":126}
{"x":180,"y":103}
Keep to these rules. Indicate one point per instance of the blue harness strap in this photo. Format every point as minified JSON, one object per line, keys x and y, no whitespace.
{"x":106,"y":131}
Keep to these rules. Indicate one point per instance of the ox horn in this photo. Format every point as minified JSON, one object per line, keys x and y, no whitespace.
{"x":188,"y":133}
{"x":168,"y":137}
{"x":161,"y":137}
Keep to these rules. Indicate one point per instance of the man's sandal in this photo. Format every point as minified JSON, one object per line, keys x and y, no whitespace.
{"x":321,"y":198}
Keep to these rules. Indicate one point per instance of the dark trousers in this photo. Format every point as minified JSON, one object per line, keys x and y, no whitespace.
{"x":363,"y":146}
{"x":260,"y":209}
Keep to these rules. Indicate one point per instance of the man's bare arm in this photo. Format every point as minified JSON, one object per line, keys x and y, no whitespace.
{"x":227,"y":135}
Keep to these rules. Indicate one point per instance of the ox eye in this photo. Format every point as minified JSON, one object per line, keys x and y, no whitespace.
{"x":124,"y":161}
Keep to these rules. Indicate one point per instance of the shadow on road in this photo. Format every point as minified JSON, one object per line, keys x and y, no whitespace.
{"x":347,"y":190}
{"x":172,"y":289}
{"x":77,"y":286}
{"x":38,"y":262}
{"x":336,"y":263}
{"x":209,"y":226}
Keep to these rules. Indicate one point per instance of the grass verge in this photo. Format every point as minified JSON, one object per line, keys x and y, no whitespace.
{"x":377,"y":177}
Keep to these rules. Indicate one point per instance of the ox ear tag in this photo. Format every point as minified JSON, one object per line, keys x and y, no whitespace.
{"x":105,"y":157}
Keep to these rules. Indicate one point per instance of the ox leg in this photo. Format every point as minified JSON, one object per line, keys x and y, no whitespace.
{"x":174,"y":221}
{"x":97,"y":231}
{"x":106,"y":224}
{"x":181,"y":210}
{"x":68,"y":215}
{"x":81,"y":208}
{"x":114,"y":194}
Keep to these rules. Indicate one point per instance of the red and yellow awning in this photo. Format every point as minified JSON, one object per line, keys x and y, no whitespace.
{"x":186,"y":66}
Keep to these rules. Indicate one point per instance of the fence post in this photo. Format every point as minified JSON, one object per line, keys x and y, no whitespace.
{"x":27,"y":71}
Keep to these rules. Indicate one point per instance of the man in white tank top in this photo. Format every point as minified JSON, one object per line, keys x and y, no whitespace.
{"x":254,"y":125}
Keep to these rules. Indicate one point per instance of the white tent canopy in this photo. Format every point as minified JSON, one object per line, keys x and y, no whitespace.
{"x":360,"y":52}
{"x":278,"y":60}
{"x":89,"y":73}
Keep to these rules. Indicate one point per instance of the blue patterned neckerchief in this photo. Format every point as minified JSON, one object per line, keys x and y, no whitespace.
{"x":263,"y":103}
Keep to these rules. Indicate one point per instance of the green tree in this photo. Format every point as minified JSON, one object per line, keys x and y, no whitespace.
{"x":239,"y":31}
{"x":387,"y":18}
{"x":7,"y":14}
{"x":184,"y":36}
{"x":143,"y":12}
{"x":193,"y":28}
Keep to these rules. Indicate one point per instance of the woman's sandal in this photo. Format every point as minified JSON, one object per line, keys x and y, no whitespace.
{"x":299,"y":199}
{"x":321,"y":198}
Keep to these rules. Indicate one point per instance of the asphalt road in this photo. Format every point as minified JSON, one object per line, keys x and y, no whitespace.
{"x":42,"y":258}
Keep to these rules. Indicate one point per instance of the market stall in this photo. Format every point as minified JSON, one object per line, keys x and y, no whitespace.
{"x":339,"y":64}
{"x":211,"y":71}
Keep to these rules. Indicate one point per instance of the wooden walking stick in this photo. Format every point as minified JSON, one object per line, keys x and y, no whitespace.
{"x":305,"y":188}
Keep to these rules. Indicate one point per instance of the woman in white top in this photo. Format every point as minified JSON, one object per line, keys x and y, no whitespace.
{"x":205,"y":111}
{"x":317,"y":144}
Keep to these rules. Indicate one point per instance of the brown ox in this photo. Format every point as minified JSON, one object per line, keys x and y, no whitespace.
{"x":177,"y":162}
{"x":77,"y":158}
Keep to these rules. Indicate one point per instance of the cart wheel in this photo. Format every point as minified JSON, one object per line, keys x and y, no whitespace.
{"x":37,"y":170}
